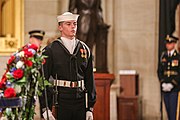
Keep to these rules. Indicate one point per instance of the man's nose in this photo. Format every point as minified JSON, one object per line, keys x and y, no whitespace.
{"x":73,"y":25}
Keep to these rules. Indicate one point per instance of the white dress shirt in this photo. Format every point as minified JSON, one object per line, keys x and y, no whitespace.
{"x":171,"y":52}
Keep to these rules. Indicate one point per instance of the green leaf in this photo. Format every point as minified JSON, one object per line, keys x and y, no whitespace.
{"x":46,"y":83}
{"x":23,"y":80}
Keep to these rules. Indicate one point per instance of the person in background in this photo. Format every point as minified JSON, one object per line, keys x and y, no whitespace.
{"x":69,"y":63}
{"x":50,"y":40}
{"x":36,"y":37}
{"x":169,"y":76}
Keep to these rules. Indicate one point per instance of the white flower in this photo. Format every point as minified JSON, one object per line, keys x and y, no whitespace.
{"x":32,"y":51}
{"x":21,"y":54}
{"x":19,"y":64}
{"x":17,"y":88}
{"x":8,"y":74}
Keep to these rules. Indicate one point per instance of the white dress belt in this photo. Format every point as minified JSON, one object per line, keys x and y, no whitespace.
{"x":65,"y":83}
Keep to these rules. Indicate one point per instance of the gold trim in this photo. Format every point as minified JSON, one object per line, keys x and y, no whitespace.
{"x":11,"y":42}
{"x":173,"y":81}
{"x":38,"y":34}
{"x":170,"y":72}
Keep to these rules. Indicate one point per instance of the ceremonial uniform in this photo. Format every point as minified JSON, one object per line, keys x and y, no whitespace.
{"x":74,"y":75}
{"x":169,"y":76}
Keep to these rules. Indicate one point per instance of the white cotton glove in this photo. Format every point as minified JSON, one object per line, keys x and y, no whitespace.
{"x":89,"y":115}
{"x":51,"y":117}
{"x":3,"y":118}
{"x":166,"y":87}
{"x":170,"y":86}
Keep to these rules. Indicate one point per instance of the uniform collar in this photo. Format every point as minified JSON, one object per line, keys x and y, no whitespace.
{"x":64,"y":38}
{"x":171,"y":52}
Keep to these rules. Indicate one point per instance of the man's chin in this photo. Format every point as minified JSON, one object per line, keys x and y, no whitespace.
{"x":72,"y":36}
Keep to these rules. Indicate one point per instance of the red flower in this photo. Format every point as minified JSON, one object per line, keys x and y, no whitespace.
{"x":11,"y":60}
{"x":3,"y":80}
{"x":28,"y":53}
{"x":25,"y":48}
{"x":33,"y":46}
{"x":9,"y":92}
{"x":2,"y":85}
{"x":17,"y":74}
{"x":28,"y":63}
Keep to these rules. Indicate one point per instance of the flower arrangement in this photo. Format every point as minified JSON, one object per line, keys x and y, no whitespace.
{"x":22,"y":80}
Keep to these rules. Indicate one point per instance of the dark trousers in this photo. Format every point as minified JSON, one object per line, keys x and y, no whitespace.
{"x":170,"y":100}
{"x":71,"y":107}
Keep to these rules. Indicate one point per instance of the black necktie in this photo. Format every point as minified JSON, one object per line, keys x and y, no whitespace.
{"x":169,"y":54}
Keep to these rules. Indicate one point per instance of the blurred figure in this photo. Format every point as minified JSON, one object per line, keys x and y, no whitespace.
{"x":36,"y":37}
{"x":169,"y":77}
{"x":90,"y":19}
{"x":50,"y":40}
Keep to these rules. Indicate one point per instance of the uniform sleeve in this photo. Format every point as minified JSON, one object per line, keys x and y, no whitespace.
{"x":90,"y":83}
{"x":48,"y":64}
{"x":160,"y":72}
{"x":47,"y":68}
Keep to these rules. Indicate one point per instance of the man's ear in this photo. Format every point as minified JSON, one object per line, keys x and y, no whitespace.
{"x":60,"y":28}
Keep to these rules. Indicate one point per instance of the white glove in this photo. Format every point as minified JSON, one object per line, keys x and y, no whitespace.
{"x":51,"y":117}
{"x":166,"y":87}
{"x":170,"y":86}
{"x":89,"y":115}
{"x":3,"y":118}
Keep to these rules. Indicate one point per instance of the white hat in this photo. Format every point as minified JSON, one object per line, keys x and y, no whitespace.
{"x":67,"y":16}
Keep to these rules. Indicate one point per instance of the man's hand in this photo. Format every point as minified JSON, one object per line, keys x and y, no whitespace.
{"x":170,"y":86}
{"x":89,"y":115}
{"x":166,"y":87}
{"x":51,"y":117}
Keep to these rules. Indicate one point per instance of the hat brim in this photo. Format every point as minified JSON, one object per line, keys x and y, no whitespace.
{"x":63,"y":18}
{"x":171,"y":41}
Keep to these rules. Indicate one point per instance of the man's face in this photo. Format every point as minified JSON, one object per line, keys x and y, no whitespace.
{"x":35,"y":41}
{"x":68,"y":29}
{"x":170,"y":46}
